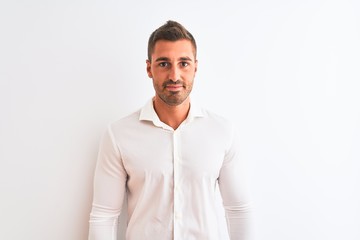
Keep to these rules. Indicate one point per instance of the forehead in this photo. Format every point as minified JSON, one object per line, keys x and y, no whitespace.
{"x":173,"y":49}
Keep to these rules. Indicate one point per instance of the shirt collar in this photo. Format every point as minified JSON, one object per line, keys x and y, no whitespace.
{"x":148,"y":113}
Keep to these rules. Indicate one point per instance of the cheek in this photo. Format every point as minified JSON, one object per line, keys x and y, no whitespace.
{"x":160,"y":76}
{"x":190,"y":75}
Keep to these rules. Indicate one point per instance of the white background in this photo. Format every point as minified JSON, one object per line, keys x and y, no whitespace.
{"x":287,"y":72}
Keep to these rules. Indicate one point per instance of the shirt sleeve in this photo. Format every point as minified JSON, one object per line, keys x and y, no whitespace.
{"x":109,"y":190}
{"x":232,"y":185}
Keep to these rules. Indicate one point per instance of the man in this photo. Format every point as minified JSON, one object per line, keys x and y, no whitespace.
{"x":168,"y":157}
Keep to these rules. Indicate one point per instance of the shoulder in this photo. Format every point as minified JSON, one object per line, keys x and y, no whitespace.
{"x":127,"y":122}
{"x":214,"y":126}
{"x":217,"y":128}
{"x":218,"y":120}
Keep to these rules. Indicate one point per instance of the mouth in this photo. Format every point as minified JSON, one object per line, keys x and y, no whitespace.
{"x":174,"y":87}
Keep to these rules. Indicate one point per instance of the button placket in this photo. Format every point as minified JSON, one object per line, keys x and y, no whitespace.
{"x":177,"y":193}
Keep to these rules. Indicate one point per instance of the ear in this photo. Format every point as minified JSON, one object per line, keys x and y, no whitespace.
{"x":196,"y":65}
{"x":148,"y":68}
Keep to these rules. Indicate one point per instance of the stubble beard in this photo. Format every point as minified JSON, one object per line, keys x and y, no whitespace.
{"x":173,"y":98}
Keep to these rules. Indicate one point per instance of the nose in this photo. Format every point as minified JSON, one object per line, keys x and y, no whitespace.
{"x":174,"y":73}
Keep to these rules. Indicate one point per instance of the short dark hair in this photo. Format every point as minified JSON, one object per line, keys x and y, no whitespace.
{"x":170,"y":31}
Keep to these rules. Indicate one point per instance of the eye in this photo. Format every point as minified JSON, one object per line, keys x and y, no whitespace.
{"x":163,"y":64}
{"x":184,"y":64}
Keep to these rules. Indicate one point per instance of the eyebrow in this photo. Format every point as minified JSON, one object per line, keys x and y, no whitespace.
{"x":168,"y":59}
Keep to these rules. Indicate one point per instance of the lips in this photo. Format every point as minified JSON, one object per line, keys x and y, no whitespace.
{"x":174,"y":87}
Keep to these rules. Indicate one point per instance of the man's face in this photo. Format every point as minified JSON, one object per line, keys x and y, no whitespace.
{"x":172,"y":68}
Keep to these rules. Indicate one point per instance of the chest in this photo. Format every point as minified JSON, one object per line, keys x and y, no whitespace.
{"x":162,"y":153}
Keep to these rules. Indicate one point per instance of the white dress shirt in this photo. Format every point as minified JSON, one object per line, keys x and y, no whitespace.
{"x":169,"y":177}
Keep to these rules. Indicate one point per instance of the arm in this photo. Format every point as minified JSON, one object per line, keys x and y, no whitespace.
{"x":233,"y":191}
{"x":109,"y":190}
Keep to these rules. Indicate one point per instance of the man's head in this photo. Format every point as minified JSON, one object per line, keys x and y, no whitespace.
{"x":172,"y":63}
{"x":170,"y":31}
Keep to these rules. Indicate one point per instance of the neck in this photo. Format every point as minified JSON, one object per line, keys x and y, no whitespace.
{"x":173,"y":116}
